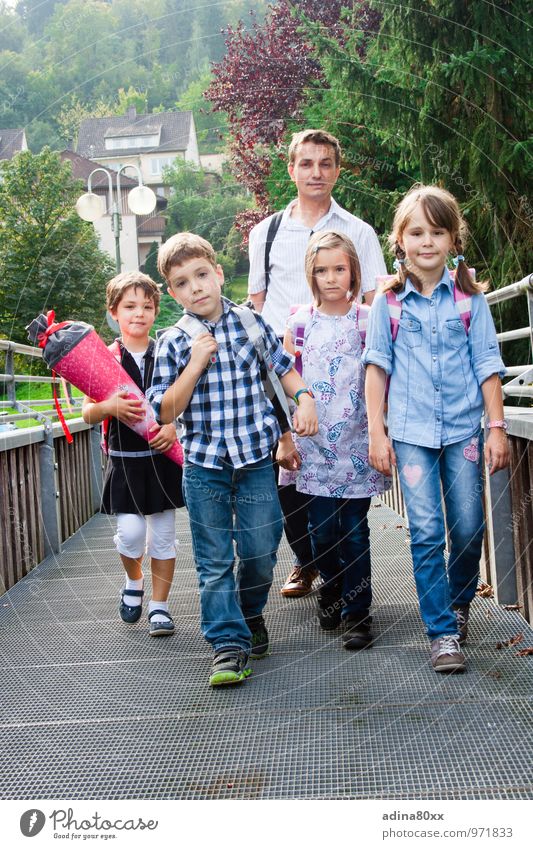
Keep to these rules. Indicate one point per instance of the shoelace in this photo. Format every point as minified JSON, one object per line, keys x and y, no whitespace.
{"x":461,"y":618}
{"x":448,"y":645}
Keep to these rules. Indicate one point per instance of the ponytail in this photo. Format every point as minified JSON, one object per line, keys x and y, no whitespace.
{"x":463,"y":278}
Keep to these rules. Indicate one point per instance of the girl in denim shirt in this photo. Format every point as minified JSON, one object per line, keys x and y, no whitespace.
{"x":444,"y":368}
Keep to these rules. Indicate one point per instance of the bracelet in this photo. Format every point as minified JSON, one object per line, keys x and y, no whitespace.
{"x":304,"y":391}
{"x":502,"y":424}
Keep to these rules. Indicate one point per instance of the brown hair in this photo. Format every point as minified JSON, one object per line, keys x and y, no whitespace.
{"x":442,"y":210}
{"x":317,"y":137}
{"x":131,"y":280}
{"x":329,"y":239}
{"x":182,"y":247}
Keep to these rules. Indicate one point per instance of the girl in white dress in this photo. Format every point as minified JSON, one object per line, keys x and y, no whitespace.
{"x":328,"y":339}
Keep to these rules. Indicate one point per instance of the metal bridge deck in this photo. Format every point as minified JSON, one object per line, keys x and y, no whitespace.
{"x":94,"y":709}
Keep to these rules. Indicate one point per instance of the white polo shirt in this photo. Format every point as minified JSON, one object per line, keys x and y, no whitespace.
{"x":288,"y":284}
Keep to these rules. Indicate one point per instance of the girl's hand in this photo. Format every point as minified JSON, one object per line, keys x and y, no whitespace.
{"x":381,"y":454}
{"x":496,"y":450}
{"x":305,"y":419}
{"x":164,"y":437}
{"x":287,"y":454}
{"x":127,"y":410}
{"x":202,"y":349}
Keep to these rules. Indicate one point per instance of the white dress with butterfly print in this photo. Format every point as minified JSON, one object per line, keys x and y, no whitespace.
{"x":335,"y":461}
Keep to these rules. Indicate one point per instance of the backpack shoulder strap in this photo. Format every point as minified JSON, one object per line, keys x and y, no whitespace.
{"x":255,"y":334}
{"x":463,"y":302}
{"x":273,"y":228}
{"x":192,"y":327}
{"x":395,"y":312}
{"x":363,"y":311}
{"x":301,"y":314}
{"x":106,"y":423}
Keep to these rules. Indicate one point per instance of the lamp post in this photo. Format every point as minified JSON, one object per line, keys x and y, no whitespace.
{"x":141,"y":201}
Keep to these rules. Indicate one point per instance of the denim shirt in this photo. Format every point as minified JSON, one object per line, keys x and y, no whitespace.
{"x":436,"y":369}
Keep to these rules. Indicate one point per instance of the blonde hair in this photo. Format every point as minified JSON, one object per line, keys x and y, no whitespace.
{"x":316,"y":137}
{"x":330,"y":240}
{"x":118,"y":285}
{"x":182,"y":247}
{"x":441,"y":210}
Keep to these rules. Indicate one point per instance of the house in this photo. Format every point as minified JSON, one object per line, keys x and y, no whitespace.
{"x":11,"y":142}
{"x":137,"y":231}
{"x":152,"y":142}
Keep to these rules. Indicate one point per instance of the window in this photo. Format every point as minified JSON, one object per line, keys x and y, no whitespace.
{"x":123,"y":142}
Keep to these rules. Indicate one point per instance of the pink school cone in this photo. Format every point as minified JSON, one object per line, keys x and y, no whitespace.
{"x":92,"y":368}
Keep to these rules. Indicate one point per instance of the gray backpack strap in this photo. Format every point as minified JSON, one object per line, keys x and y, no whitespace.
{"x":192,"y":327}
{"x":272,"y":383}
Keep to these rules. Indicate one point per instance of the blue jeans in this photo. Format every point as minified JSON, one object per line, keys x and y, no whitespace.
{"x":227,"y":505}
{"x":458,"y":468}
{"x":340,"y":539}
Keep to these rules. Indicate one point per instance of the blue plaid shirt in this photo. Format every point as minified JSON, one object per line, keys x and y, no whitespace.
{"x":229,"y":413}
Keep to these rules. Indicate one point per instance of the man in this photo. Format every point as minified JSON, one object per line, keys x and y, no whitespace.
{"x":277,"y":281}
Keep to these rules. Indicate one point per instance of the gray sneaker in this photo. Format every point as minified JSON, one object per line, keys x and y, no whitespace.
{"x":446,"y":655}
{"x":462,"y":613}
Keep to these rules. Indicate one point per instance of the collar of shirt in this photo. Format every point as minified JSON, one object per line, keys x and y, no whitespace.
{"x":445,"y":280}
{"x":226,"y":306}
{"x":287,"y":221}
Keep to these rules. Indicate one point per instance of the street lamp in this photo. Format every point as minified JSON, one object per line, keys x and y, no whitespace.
{"x":141,"y":201}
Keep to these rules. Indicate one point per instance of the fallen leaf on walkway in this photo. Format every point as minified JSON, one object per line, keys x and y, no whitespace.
{"x":512,"y":606}
{"x":495,"y":673}
{"x":512,"y":641}
{"x":485,"y":591}
{"x":400,"y":526}
{"x":524,"y":652}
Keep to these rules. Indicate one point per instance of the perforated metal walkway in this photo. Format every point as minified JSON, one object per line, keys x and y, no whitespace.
{"x":92,"y":708}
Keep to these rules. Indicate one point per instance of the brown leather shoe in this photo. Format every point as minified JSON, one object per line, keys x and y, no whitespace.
{"x":299,"y":582}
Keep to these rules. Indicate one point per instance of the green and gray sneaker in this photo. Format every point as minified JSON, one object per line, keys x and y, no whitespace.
{"x":229,"y":667}
{"x":260,"y":646}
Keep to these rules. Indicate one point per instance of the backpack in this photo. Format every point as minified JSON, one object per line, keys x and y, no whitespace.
{"x":303,"y":313}
{"x":462,"y":301}
{"x":273,"y":228}
{"x":192,"y":327}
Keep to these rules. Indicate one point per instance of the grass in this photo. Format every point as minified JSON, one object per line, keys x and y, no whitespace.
{"x":27,"y":392}
{"x":236,"y":288}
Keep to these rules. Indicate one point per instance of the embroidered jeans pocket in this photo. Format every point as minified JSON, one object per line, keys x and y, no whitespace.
{"x":412,"y":331}
{"x":455,"y":332}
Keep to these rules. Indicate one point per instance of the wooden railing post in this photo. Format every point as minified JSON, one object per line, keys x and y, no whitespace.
{"x":95,"y":460}
{"x":49,"y":494}
{"x":500,"y":536}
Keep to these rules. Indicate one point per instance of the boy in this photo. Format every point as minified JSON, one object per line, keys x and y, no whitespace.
{"x":213,"y":384}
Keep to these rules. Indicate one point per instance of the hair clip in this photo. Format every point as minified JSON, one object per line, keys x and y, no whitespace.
{"x":397,"y":264}
{"x":457,"y":259}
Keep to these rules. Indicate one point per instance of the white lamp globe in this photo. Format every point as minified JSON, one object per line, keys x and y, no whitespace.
{"x":89,"y":207}
{"x":142,"y":200}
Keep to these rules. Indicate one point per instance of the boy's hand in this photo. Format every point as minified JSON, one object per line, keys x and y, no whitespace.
{"x":202,"y":349}
{"x":305,"y":418}
{"x":287,"y":455}
{"x":164,"y":437}
{"x":381,"y":454}
{"x":496,"y":450}
{"x":127,"y":410}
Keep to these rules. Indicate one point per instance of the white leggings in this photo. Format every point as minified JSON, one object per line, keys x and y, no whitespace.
{"x":155,"y":534}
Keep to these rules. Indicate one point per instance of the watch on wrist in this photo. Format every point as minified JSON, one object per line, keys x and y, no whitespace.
{"x":501,"y":423}
{"x":304,"y":391}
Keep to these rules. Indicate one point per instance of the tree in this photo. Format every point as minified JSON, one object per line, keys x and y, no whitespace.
{"x":49,"y":257}
{"x":208,"y":206}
